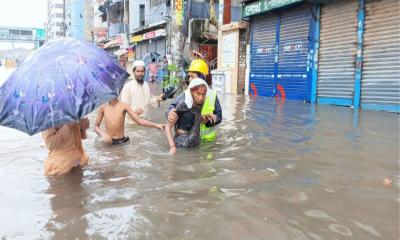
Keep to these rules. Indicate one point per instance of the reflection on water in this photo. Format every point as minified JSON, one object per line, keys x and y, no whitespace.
{"x":277,"y":171}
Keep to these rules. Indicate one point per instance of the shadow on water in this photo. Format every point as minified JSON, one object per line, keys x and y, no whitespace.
{"x":278,"y":170}
{"x":67,"y":201}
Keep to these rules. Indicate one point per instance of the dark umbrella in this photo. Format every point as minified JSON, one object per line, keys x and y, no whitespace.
{"x":59,"y":83}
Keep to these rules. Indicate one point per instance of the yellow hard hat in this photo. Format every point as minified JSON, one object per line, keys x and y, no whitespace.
{"x":198,"y":65}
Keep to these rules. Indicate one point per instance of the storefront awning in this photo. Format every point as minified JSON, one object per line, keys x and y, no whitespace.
{"x":120,"y":52}
{"x":113,"y":43}
{"x":148,"y":27}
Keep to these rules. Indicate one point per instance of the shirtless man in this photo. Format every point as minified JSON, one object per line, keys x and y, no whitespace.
{"x":114,"y":113}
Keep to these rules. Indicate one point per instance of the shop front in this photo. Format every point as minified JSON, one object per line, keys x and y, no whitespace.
{"x":152,"y":42}
{"x":280,"y":40}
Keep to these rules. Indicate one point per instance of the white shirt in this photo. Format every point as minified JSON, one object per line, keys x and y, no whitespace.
{"x":137,"y":96}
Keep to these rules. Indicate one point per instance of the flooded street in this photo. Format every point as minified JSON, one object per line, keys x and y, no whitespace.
{"x":277,"y":171}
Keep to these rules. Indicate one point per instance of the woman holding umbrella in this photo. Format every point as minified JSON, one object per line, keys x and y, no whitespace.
{"x":65,"y":147}
{"x":53,"y":90}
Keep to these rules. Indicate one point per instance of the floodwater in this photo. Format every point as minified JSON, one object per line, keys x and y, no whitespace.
{"x":278,"y":171}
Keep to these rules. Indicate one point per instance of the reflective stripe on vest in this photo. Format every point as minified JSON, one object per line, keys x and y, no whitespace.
{"x":208,"y":133}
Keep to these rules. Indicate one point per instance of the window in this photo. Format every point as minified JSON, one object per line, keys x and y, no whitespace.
{"x":155,"y":3}
{"x":142,"y":9}
{"x":26,"y":32}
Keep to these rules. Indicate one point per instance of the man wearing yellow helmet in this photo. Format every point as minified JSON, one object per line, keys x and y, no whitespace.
{"x":198,"y":69}
{"x":211,"y":111}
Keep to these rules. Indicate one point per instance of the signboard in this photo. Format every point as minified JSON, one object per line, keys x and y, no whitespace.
{"x":100,"y":34}
{"x":179,"y":12}
{"x":137,"y":38}
{"x":265,"y":5}
{"x":229,"y":43}
{"x":40,"y":34}
{"x":153,"y":34}
{"x":123,"y":40}
{"x":148,"y":35}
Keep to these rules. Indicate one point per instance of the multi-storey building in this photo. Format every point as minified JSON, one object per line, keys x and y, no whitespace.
{"x":55,"y":17}
{"x":79,"y":19}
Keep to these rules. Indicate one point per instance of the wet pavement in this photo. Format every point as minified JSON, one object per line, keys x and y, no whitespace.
{"x":278,"y":171}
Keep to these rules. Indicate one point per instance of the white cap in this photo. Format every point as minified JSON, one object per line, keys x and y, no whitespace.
{"x":138,"y":63}
{"x":188,"y":95}
{"x":197,"y":82}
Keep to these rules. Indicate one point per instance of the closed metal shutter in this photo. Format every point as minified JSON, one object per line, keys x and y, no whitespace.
{"x":160,"y":47}
{"x":380,"y":84}
{"x":138,"y":54}
{"x":337,"y":52}
{"x":143,"y":49}
{"x":152,"y":46}
{"x":293,"y":81}
{"x":263,"y":35}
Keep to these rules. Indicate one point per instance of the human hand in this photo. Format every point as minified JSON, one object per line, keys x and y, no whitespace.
{"x":160,"y":98}
{"x":209,"y":118}
{"x":160,"y":126}
{"x":172,"y":116}
{"x":84,"y":124}
{"x":107,"y":138}
{"x":172,"y":150}
{"x":139,"y":111}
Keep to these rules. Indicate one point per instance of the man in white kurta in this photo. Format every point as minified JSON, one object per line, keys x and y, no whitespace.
{"x":136,"y":93}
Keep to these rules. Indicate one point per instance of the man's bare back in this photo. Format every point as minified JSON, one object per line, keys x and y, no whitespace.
{"x":114,"y":113}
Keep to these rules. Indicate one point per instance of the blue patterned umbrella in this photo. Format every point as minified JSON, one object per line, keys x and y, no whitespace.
{"x":59,"y":83}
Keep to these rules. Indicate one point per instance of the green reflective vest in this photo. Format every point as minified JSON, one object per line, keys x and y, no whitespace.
{"x":208,"y":134}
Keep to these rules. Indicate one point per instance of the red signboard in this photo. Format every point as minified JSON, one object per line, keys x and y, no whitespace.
{"x":150,"y":35}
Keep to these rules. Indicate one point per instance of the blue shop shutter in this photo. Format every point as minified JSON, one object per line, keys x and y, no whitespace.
{"x":262,"y":51}
{"x":293,"y":80}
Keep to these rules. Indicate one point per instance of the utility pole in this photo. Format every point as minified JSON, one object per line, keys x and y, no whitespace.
{"x":177,"y":36}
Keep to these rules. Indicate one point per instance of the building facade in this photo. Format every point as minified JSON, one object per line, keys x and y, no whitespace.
{"x":149,"y":28}
{"x":74,"y":18}
{"x":55,"y":17}
{"x":342,"y":52}
{"x":79,"y":19}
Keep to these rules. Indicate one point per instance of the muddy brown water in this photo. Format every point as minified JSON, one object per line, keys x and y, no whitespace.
{"x":277,"y":171}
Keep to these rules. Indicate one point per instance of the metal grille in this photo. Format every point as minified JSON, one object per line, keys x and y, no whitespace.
{"x":160,"y":47}
{"x":152,"y":46}
{"x":293,"y":54}
{"x":338,"y":49}
{"x":381,"y":52}
{"x":263,"y":34}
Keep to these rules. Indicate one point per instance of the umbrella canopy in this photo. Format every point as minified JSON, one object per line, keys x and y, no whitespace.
{"x":60,"y":82}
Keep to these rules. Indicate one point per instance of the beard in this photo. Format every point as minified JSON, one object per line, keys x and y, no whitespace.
{"x":139,"y":79}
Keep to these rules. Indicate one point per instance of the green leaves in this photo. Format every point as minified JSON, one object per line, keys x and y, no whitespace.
{"x":171,"y":79}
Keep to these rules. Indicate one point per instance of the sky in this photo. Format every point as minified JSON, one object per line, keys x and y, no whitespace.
{"x":22,"y":13}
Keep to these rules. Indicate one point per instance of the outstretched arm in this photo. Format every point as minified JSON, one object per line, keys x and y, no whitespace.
{"x":141,"y":121}
{"x":168,"y":134}
{"x":97,"y":129}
